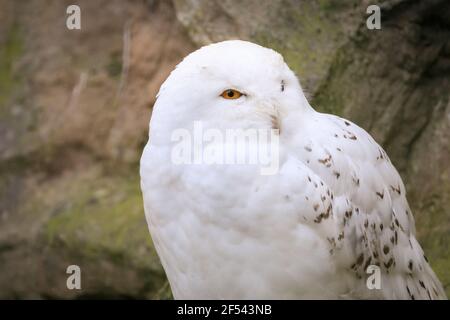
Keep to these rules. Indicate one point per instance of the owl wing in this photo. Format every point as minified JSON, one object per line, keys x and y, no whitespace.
{"x":373,"y":224}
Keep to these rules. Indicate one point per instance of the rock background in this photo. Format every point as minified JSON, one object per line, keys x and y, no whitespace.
{"x":75,"y":105}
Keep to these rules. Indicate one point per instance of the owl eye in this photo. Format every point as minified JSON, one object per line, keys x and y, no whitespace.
{"x":231,"y":94}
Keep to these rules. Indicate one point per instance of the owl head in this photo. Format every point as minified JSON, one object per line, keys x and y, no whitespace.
{"x":228,"y":85}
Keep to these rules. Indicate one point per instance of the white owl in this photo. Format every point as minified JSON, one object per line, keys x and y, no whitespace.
{"x":334,"y":215}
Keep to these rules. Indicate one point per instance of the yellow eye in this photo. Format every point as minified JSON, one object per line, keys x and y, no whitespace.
{"x":231,"y":94}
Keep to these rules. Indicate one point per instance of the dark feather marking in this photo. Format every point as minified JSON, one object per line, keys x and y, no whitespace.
{"x":422,"y":284}
{"x":380,"y":194}
{"x":360,"y":260}
{"x":389,"y":263}
{"x":326,"y":161}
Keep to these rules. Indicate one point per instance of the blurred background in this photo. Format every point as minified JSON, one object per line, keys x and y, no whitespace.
{"x":75,"y":107}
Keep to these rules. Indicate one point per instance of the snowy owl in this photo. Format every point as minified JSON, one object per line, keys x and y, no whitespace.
{"x":325,"y":225}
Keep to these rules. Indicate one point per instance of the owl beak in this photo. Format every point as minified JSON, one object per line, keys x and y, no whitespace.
{"x":270,"y":110}
{"x":275,"y":122}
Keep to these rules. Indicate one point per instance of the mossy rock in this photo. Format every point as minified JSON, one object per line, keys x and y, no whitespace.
{"x":10,"y":51}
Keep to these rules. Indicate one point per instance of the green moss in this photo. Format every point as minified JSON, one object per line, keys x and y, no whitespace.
{"x":327,"y":5}
{"x":105,"y":219}
{"x":433,"y":229}
{"x":9,"y":52}
{"x":114,"y":67}
{"x":308,"y":40}
{"x":101,"y":224}
{"x":436,"y":247}
{"x":303,"y":55}
{"x":334,"y":6}
{"x":331,"y":94}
